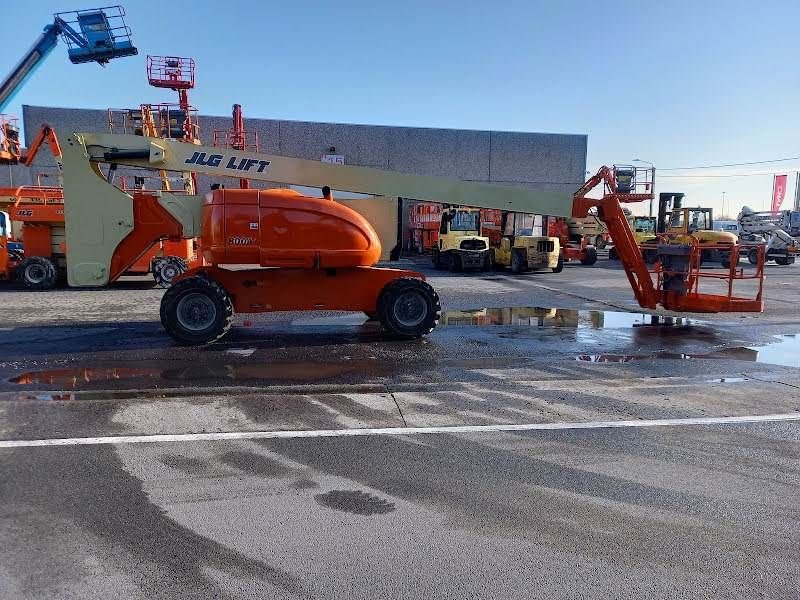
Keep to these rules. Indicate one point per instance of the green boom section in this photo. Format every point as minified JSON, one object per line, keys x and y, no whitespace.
{"x":100,"y":215}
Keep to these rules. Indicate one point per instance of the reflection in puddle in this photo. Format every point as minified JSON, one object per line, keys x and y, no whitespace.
{"x":74,"y":377}
{"x":556,"y":317}
{"x":785,"y":352}
{"x":727,"y":380}
{"x":276,"y":371}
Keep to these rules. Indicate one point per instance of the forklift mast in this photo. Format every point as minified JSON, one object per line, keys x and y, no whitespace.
{"x":667,"y":201}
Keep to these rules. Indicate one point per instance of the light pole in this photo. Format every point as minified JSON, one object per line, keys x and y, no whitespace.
{"x":723,"y":205}
{"x":647,"y":162}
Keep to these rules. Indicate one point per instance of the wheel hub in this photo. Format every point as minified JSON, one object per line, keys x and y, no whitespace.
{"x":35,"y":273}
{"x":196,"y":312}
{"x":410,"y":309}
{"x":169,"y":272}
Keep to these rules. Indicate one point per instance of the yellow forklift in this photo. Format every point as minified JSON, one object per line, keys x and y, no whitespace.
{"x":680,"y":223}
{"x":523,"y":251}
{"x":461,"y":244}
{"x":643,"y":229}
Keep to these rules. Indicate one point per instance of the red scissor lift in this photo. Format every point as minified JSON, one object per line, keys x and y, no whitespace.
{"x":676,"y":280}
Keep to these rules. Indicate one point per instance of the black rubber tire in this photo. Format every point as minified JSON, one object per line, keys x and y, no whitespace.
{"x":220,"y":321}
{"x":599,"y":242}
{"x":613,"y":255}
{"x":454,"y":263}
{"x":371,"y":316}
{"x":590,"y":258}
{"x":650,"y":256}
{"x":436,"y":259}
{"x":560,"y":266}
{"x":752,"y":256}
{"x":394,"y":292}
{"x":488,"y":262}
{"x":167,"y":268}
{"x":783,"y":260}
{"x":726,"y":264}
{"x":519,"y":260}
{"x":37,"y":273}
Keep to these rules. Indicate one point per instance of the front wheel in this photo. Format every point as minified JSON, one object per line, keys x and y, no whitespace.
{"x":196,"y":310}
{"x":408,"y":308}
{"x":785,"y":260}
{"x":600,"y":242}
{"x":454,"y":263}
{"x":488,"y":262}
{"x":590,"y":257}
{"x":436,"y":259}
{"x":752,"y":256}
{"x":519,"y":260}
{"x":560,"y":265}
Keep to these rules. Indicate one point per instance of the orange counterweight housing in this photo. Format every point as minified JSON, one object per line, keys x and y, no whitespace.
{"x":283,"y":228}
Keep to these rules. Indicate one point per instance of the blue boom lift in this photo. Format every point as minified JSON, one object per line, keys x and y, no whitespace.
{"x":95,"y":35}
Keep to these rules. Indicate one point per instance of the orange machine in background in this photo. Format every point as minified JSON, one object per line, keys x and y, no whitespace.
{"x":582,"y":249}
{"x":178,"y":121}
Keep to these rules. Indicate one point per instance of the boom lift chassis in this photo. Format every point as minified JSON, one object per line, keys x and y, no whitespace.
{"x":107,"y":229}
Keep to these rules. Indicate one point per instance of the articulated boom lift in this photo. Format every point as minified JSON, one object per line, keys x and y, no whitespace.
{"x":678,"y":273}
{"x":321,"y":252}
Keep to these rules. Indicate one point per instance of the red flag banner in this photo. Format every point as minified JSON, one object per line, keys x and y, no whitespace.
{"x":778,"y":192}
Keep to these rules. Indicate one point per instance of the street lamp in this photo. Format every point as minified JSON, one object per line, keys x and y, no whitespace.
{"x":647,"y":162}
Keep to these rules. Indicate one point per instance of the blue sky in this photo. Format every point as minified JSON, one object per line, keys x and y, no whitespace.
{"x":676,"y":83}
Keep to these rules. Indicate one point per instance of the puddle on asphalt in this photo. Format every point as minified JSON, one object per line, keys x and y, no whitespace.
{"x":784,"y":352}
{"x":557,"y":317}
{"x":727,"y":380}
{"x":277,"y":371}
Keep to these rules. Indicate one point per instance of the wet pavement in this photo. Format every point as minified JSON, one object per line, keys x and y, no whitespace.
{"x":683,"y":509}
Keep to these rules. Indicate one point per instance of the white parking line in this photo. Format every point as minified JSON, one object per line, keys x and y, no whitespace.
{"x":320,"y":433}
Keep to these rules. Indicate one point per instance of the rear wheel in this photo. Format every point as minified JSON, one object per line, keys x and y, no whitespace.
{"x":785,"y":260}
{"x":519,"y":260}
{"x":167,"y":269}
{"x":590,"y":257}
{"x":37,"y":273}
{"x":752,"y":256}
{"x":600,"y":242}
{"x":560,"y":266}
{"x":612,"y":253}
{"x":196,"y":310}
{"x":408,"y":308}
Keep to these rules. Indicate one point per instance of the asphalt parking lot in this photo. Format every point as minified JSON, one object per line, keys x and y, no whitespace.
{"x":547,"y":440}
